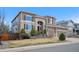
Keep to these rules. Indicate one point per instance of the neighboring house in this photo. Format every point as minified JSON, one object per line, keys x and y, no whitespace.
{"x":73,"y":28}
{"x":27,"y":21}
{"x":69,"y":25}
{"x":76,"y":28}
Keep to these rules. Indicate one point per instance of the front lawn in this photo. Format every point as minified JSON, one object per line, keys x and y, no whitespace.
{"x":27,"y":42}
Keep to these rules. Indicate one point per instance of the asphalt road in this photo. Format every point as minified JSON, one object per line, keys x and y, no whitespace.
{"x":62,"y":48}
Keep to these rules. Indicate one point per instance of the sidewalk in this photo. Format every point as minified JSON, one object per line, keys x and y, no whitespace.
{"x":70,"y":41}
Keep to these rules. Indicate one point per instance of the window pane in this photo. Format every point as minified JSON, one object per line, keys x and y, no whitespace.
{"x":24,"y":17}
{"x":28,"y":27}
{"x":29,"y":18}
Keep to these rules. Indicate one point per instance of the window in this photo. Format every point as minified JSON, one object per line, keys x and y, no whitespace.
{"x":16,"y":29}
{"x":28,"y":26}
{"x":24,"y":17}
{"x":75,"y":26}
{"x":28,"y":18}
{"x":51,"y":20}
{"x":17,"y":20}
{"x":48,"y":20}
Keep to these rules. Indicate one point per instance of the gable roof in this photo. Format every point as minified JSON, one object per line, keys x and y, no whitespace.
{"x":64,"y":22}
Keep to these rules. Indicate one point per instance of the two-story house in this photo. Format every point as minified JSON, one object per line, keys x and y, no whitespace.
{"x":27,"y":21}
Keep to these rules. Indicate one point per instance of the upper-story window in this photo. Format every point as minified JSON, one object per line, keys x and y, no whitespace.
{"x":53,"y":21}
{"x":76,"y":26}
{"x":50,"y":21}
{"x":28,"y":17}
{"x":17,"y":20}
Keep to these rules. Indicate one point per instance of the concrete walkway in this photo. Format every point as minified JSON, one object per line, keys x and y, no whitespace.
{"x":19,"y":49}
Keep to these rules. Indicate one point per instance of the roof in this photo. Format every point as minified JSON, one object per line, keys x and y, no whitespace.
{"x":22,"y":12}
{"x":32,"y":14}
{"x":64,"y":22}
{"x":51,"y":17}
{"x":61,"y":27}
{"x":76,"y":23}
{"x":40,"y":17}
{"x":28,"y":13}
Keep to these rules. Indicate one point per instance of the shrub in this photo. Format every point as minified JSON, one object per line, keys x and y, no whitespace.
{"x":33,"y":32}
{"x":25,"y":36}
{"x":62,"y":37}
{"x":22,"y":31}
{"x":16,"y":35}
{"x":38,"y":33}
{"x":43,"y":32}
{"x":5,"y":36}
{"x":13,"y":36}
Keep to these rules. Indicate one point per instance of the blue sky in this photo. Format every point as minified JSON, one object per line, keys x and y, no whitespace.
{"x":60,"y":13}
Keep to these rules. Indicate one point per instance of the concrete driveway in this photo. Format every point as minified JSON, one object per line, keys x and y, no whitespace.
{"x":73,"y":39}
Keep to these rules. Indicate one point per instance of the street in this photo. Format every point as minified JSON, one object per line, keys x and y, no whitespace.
{"x":62,"y":48}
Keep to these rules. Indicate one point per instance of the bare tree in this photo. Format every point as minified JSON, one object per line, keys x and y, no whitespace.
{"x":3,"y":27}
